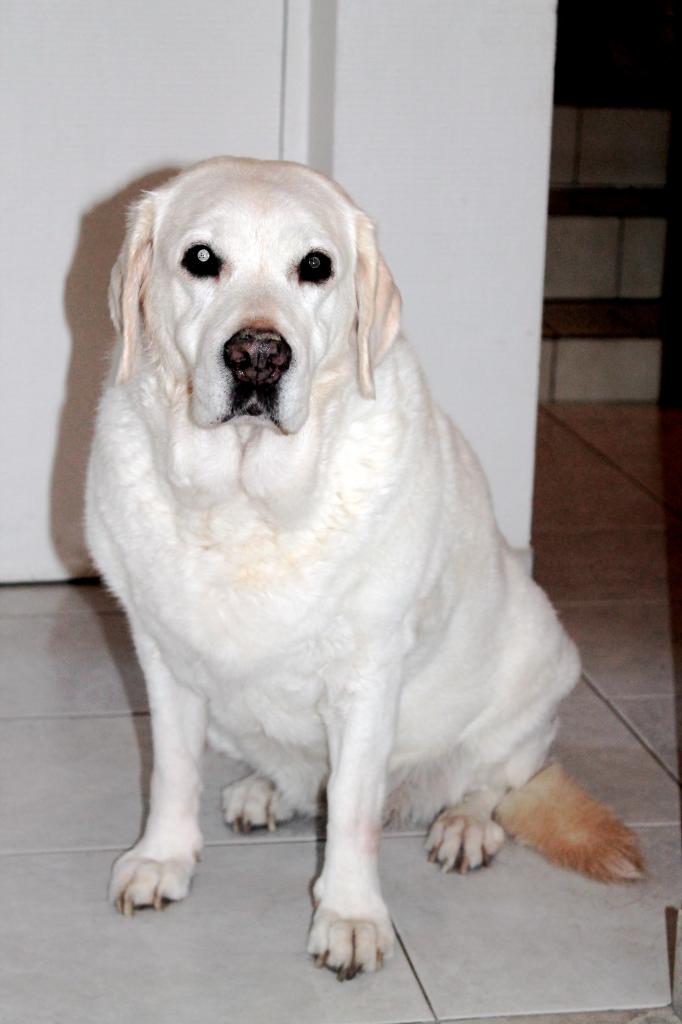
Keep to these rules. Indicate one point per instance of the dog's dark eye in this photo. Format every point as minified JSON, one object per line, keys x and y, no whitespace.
{"x":202,"y":261}
{"x":315,"y":267}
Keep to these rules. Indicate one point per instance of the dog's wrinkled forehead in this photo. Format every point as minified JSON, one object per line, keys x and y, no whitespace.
{"x":253,"y":203}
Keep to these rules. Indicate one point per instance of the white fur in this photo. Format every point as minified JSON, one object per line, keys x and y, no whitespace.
{"x":330,"y":601}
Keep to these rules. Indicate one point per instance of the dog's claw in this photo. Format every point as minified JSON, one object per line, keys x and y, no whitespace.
{"x":159,"y":902}
{"x":139,"y":883}
{"x":252,"y":803}
{"x":349,"y":972}
{"x":350,"y":946}
{"x":461,"y":843}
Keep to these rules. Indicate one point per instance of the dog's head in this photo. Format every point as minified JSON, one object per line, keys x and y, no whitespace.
{"x":246,"y":283}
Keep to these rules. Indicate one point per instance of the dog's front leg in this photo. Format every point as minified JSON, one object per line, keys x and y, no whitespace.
{"x":351,"y":930}
{"x":160,"y":866}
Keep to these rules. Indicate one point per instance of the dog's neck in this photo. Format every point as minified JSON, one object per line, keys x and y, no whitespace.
{"x":219,"y":468}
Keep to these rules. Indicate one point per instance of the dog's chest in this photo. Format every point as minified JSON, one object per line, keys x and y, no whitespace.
{"x":253,"y":627}
{"x":238,"y":594}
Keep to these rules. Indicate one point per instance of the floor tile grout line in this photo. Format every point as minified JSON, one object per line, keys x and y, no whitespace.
{"x":215,"y":844}
{"x":67,"y":716}
{"x":211,"y":844}
{"x":673,"y":512}
{"x":631,"y":728}
{"x":422,"y":988}
{"x":616,"y":698}
{"x":653,"y":824}
{"x":670,"y":695}
{"x":67,"y":851}
{"x":116,"y":850}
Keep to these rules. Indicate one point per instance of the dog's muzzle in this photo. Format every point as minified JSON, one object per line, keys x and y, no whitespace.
{"x":257,"y":359}
{"x":256,"y":356}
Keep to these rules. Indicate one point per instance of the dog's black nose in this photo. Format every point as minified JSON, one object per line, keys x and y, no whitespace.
{"x":257,"y":356}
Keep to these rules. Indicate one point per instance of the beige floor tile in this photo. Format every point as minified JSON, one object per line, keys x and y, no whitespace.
{"x":626,"y":646}
{"x":68,"y":664}
{"x":525,"y":937}
{"x":83,"y":783}
{"x":233,"y":951}
{"x":658,"y":720}
{"x":610,"y":564}
{"x":643,"y":440}
{"x":576,"y":489}
{"x":603,"y":756}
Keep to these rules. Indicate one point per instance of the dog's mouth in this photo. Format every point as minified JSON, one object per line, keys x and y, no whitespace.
{"x":255,"y":400}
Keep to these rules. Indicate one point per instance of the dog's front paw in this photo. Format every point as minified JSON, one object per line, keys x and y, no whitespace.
{"x":461,"y":842}
{"x":349,"y":945}
{"x":139,"y":881}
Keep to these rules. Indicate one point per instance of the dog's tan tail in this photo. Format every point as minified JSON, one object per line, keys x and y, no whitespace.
{"x":555,"y":816}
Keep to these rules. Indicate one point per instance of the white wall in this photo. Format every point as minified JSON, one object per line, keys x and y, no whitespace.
{"x":433,"y":113}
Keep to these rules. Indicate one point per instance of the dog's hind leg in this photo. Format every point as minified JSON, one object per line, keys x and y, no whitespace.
{"x":254,"y":802}
{"x":464,"y":837}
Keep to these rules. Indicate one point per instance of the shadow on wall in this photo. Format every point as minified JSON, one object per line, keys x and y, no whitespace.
{"x":87,"y":313}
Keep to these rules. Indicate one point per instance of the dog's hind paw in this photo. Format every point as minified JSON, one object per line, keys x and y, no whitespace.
{"x":254,"y":802}
{"x":461,"y":842}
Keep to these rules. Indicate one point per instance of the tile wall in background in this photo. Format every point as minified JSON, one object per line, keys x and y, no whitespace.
{"x":596,"y":258}
{"x":600,"y":147}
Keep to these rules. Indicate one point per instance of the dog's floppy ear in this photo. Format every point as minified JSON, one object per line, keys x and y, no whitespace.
{"x":128,"y":283}
{"x":378,"y":302}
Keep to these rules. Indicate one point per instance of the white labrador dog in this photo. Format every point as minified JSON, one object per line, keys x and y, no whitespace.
{"x":306,"y":550}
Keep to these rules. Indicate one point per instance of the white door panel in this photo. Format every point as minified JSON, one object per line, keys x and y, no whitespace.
{"x":99,"y":99}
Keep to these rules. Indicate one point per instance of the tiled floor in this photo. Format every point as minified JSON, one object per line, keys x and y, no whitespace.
{"x":521,"y":938}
